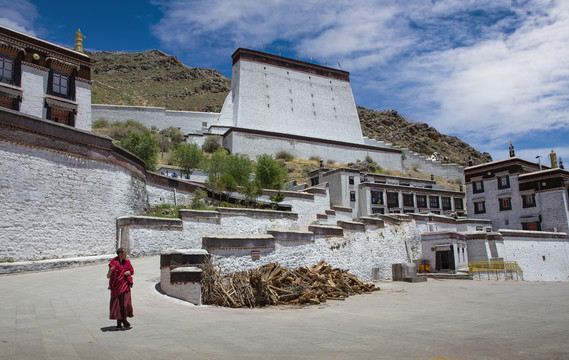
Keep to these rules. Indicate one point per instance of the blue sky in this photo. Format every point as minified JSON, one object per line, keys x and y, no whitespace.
{"x":487,"y":71}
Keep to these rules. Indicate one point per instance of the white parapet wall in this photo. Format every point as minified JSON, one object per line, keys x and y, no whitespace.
{"x":187,"y":121}
{"x":543,"y":256}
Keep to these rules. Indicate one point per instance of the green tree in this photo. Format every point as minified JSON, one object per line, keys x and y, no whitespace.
{"x":269,"y":173}
{"x":211,"y":144}
{"x":187,"y":156}
{"x":213,"y":168}
{"x":276,"y":199}
{"x":143,"y":146}
{"x":252,"y":191}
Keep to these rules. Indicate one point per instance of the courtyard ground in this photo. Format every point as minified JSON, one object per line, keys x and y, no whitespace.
{"x":63,"y":314}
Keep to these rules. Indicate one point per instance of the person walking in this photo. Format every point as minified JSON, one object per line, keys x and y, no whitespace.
{"x":120,"y":281}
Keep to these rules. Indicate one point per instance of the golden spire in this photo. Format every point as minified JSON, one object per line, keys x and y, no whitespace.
{"x":553,"y":158}
{"x":79,"y":41}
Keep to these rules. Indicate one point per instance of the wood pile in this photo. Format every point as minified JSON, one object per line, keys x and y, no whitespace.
{"x":273,"y":284}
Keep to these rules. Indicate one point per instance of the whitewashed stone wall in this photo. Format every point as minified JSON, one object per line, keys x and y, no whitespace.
{"x":154,"y":239}
{"x":280,"y":99}
{"x":35,"y":84}
{"x":55,"y":205}
{"x":542,"y":256}
{"x":158,"y":195}
{"x":555,"y":207}
{"x":83,"y":98}
{"x":186,"y":121}
{"x":306,"y":208}
{"x":358,"y":252}
{"x":254,"y":145}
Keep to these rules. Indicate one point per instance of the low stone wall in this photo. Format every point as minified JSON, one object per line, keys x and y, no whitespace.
{"x":543,"y":256}
{"x":143,"y":235}
{"x":186,"y":121}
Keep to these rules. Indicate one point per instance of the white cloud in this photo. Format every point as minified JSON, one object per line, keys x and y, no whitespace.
{"x":18,"y":15}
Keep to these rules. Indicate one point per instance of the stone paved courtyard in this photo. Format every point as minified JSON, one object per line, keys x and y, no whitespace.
{"x":63,"y":314}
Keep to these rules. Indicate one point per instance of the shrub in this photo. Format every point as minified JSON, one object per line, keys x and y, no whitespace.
{"x":198,"y":200}
{"x":314,"y":158}
{"x":269,"y":173}
{"x":143,"y":146}
{"x":102,"y":122}
{"x":284,"y":155}
{"x":212,"y":144}
{"x":187,"y":156}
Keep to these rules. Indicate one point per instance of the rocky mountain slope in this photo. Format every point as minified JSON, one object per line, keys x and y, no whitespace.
{"x":153,"y":78}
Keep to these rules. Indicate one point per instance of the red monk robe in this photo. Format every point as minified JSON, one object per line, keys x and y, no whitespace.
{"x":120,"y":284}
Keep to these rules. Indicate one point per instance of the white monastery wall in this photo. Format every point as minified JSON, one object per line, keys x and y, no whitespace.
{"x":254,"y":145}
{"x":186,"y":121}
{"x":83,"y":99}
{"x":158,"y":195}
{"x":35,"y":81}
{"x":279,"y":99}
{"x":55,"y":205}
{"x":357,"y":251}
{"x":304,"y":207}
{"x":542,"y":256}
{"x":555,"y":205}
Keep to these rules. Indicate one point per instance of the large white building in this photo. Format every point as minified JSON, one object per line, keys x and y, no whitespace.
{"x":519,"y":194}
{"x":45,"y":80}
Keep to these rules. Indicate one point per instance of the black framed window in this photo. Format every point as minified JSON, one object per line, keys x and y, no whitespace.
{"x":375,"y":210}
{"x":393,"y":199}
{"x":6,"y":69}
{"x":503,"y":182}
{"x":351,"y":180}
{"x":61,"y":116}
{"x":479,"y":207}
{"x":531,"y":226}
{"x":445,"y":200}
{"x":421,"y":201}
{"x":458,"y":204}
{"x":408,"y":200}
{"x":528,"y":200}
{"x":61,"y":84}
{"x":477,"y":186}
{"x":505,"y":204}
{"x":377,"y":197}
{"x":434,"y":202}
{"x":352,"y":196}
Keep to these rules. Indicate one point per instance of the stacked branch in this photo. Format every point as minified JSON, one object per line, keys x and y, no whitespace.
{"x":272,"y":284}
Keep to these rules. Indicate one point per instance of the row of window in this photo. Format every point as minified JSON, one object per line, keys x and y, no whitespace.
{"x":409,"y":200}
{"x":503,"y":183}
{"x":528,"y":201}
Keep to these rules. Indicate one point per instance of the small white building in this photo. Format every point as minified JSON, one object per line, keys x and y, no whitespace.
{"x":45,"y":80}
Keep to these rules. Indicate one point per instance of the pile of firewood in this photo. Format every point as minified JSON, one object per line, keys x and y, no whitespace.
{"x":272,"y":284}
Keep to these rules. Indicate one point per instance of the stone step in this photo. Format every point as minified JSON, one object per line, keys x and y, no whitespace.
{"x":239,"y":245}
{"x":291,"y":236}
{"x":446,"y":276}
{"x":326,"y":230}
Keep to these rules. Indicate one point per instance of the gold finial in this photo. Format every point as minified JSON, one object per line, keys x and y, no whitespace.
{"x":79,"y":41}
{"x":553,"y":157}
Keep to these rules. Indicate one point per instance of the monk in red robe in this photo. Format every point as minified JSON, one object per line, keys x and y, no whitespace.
{"x":120,"y":281}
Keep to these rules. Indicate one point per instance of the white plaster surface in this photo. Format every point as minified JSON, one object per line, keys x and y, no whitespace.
{"x":186,"y":121}
{"x":55,"y":205}
{"x":191,"y":292}
{"x":158,"y":195}
{"x":83,"y":98}
{"x":34,"y":84}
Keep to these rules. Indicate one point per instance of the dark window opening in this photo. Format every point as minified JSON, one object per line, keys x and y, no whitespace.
{"x":503,"y":182}
{"x":422,"y":201}
{"x":477,"y":186}
{"x":352,"y":196}
{"x":434,"y":202}
{"x":61,"y":116}
{"x":61,"y":84}
{"x":351,"y":180}
{"x":375,"y":210}
{"x":408,"y":200}
{"x":458,"y":204}
{"x":505,"y":204}
{"x":377,"y":197}
{"x":531,"y":226}
{"x":528,"y":200}
{"x":479,"y":207}
{"x":446,"y":203}
{"x":392,"y":199}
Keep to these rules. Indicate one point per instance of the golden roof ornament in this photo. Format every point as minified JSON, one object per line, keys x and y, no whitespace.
{"x":553,"y":158}
{"x":79,"y":41}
